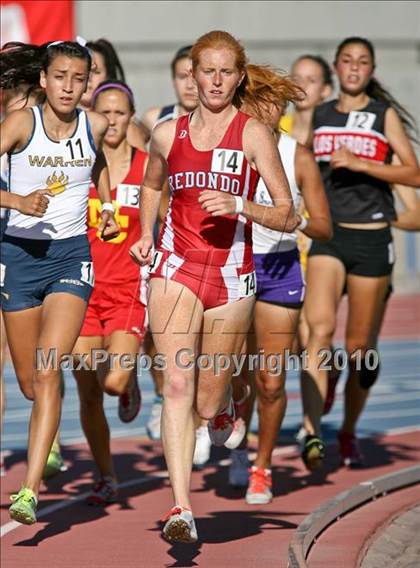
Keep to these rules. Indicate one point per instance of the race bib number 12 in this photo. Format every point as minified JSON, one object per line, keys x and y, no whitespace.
{"x":360,"y":119}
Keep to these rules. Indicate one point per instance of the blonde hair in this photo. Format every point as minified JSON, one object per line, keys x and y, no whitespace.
{"x":262,"y":87}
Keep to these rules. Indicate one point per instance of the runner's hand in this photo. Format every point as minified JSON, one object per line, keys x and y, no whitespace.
{"x":343,"y":158}
{"x":141,"y":251}
{"x":217,"y":203}
{"x":36,"y":203}
{"x":108,"y":226}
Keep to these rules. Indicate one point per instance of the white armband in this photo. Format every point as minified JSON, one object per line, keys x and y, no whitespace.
{"x":107,"y":207}
{"x":303,"y":224}
{"x":239,"y":205}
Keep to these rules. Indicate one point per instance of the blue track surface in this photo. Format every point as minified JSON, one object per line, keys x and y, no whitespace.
{"x":394,"y":402}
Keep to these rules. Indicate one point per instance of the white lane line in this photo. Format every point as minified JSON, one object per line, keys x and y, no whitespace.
{"x":12,"y":525}
{"x":396,"y":431}
{"x":375,"y":399}
{"x":76,"y":436}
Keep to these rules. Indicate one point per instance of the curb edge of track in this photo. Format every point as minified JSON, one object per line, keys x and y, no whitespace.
{"x":332,"y":510}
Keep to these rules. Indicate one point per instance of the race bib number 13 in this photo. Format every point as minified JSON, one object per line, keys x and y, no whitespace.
{"x":128,"y":195}
{"x":227,"y":161}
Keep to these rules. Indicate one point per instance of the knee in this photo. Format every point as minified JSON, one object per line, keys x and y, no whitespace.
{"x":356,"y":348}
{"x":363,"y":361}
{"x":26,"y":385}
{"x":322,"y":331}
{"x":207,"y":410}
{"x":270,"y":391}
{"x":209,"y":403}
{"x":177,"y":386}
{"x":47,"y":378}
{"x":115,"y":383}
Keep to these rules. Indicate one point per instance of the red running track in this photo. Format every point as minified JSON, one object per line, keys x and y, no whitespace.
{"x":231,"y":533}
{"x":402,"y":318}
{"x":70,"y":534}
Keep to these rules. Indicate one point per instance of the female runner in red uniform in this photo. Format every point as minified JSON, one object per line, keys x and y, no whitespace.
{"x":116,"y":311}
{"x":202,"y":275}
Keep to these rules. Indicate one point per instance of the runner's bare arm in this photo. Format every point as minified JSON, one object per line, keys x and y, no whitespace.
{"x":309,"y":181}
{"x":16,"y":131}
{"x":156,"y":175}
{"x":261,"y":152}
{"x":100,"y":176}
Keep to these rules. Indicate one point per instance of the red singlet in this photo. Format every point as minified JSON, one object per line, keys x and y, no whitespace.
{"x":212,"y":256}
{"x":119,"y":296}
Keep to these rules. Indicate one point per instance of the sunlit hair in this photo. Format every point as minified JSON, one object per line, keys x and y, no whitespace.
{"x":266,"y":87}
{"x":262,"y":87}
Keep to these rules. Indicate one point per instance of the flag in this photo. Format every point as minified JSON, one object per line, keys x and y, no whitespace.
{"x":37,"y":21}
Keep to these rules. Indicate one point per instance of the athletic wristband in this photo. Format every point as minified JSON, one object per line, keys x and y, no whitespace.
{"x":239,"y":204}
{"x":107,"y":207}
{"x":303,"y":224}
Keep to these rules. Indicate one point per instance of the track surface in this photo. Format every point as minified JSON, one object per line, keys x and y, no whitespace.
{"x":70,"y":534}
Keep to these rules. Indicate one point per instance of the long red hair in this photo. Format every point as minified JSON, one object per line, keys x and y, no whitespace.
{"x":262,"y":87}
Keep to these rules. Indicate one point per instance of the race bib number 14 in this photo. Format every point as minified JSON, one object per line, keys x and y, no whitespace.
{"x":247,"y":285}
{"x":227,"y":161}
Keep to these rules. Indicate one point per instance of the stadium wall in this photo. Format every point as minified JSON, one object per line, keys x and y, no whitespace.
{"x":147,"y":34}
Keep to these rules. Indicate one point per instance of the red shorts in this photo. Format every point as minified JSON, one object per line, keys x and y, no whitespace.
{"x":115,"y":308}
{"x":213,"y":285}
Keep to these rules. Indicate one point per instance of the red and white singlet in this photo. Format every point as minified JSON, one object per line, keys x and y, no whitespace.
{"x":212,"y":256}
{"x":119,"y":296}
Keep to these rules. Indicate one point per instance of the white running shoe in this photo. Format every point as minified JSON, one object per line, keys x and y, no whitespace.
{"x":104,"y":492}
{"x":260,"y":486}
{"x":239,"y":427}
{"x":238,"y":433}
{"x":153,"y":425}
{"x":221,"y":426}
{"x":301,"y":435}
{"x":238,"y":469}
{"x":180,"y":526}
{"x":202,"y":446}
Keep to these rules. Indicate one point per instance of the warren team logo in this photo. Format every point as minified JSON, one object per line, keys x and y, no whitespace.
{"x":57,"y":184}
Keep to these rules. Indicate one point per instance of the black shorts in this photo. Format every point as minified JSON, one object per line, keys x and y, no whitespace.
{"x":363,"y":252}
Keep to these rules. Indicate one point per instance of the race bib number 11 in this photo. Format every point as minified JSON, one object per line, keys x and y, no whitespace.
{"x":227,"y":161}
